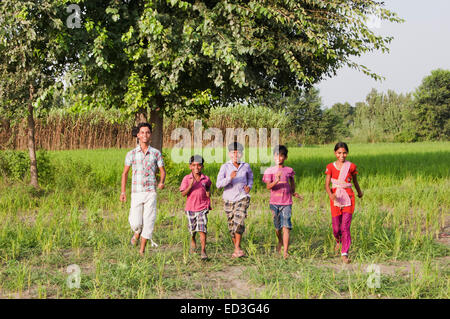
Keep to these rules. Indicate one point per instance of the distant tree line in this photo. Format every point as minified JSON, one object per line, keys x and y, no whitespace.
{"x":384,"y":117}
{"x":422,"y":115}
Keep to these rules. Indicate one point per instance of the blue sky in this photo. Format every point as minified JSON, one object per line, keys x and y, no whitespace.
{"x":420,"y":45}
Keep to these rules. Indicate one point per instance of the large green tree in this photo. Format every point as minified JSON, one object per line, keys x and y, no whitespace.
{"x":167,"y":55}
{"x":35,"y":47}
{"x":432,"y":106}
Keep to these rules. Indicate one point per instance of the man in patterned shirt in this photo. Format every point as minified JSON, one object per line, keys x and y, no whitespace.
{"x":143,"y":159}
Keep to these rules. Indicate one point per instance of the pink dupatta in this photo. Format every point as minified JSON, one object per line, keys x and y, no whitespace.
{"x":342,"y":198}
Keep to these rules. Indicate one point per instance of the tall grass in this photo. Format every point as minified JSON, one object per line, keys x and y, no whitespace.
{"x":61,"y":129}
{"x":78,"y":219}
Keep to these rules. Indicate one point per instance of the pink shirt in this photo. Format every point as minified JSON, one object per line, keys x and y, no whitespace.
{"x":196,"y":199}
{"x":280,"y":194}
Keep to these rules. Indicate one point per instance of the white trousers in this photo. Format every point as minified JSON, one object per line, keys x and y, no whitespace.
{"x":143,"y":213}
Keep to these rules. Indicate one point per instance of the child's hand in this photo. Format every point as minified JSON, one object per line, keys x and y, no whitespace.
{"x":360,"y":195}
{"x":233,"y":174}
{"x":333,"y":197}
{"x":192,"y":181}
{"x":123,"y":197}
{"x":161,"y":186}
{"x":298,"y":196}
{"x":247,"y":189}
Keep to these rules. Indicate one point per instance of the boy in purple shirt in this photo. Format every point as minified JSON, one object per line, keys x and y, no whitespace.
{"x":280,"y":180}
{"x":236,"y":178}
{"x":196,"y":187}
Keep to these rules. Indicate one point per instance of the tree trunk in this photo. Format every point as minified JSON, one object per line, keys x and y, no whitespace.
{"x":31,"y":142}
{"x":156,"y":119}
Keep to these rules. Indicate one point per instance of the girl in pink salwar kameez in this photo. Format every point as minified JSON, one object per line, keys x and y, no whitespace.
{"x":342,"y":199}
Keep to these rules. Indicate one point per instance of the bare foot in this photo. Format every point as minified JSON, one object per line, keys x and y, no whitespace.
{"x":134,"y":239}
{"x":193,"y":248}
{"x":280,"y":244}
{"x":203,"y":255}
{"x":345,"y":259}
{"x":141,"y":253}
{"x":286,"y":255}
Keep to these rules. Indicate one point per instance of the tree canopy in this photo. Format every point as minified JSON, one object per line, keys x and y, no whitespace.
{"x":167,"y":55}
{"x":432,"y":106}
{"x":34,"y":49}
{"x":162,"y":56}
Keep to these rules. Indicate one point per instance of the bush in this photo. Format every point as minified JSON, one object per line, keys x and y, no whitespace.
{"x":15,"y":165}
{"x":406,"y":136}
{"x":174,"y":172}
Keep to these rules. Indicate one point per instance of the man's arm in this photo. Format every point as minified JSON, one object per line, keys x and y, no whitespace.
{"x":123,"y":185}
{"x":162,"y":177}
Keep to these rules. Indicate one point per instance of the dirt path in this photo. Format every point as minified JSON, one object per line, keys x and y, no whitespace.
{"x":230,"y":280}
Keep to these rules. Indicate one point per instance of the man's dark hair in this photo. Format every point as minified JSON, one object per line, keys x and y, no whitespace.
{"x":196,"y":159}
{"x":235,"y":146}
{"x":144,"y":124}
{"x":280,"y":149}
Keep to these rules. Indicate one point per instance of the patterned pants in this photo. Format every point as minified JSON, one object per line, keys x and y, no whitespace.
{"x":197,"y":221}
{"x":236,"y":214}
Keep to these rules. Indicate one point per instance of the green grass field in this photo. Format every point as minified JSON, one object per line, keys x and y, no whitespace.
{"x":401,"y":225}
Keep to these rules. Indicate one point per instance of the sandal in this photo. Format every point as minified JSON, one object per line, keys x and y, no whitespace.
{"x":204,"y":256}
{"x":345,"y":259}
{"x":238,"y":255}
{"x":153,"y":243}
